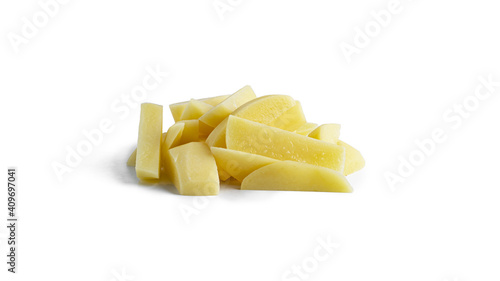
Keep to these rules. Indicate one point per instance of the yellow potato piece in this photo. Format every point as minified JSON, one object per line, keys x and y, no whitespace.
{"x":239,"y":164}
{"x":295,"y":176}
{"x":192,"y":169}
{"x":133,"y":156}
{"x":178,"y":108}
{"x":326,"y":132}
{"x":217,"y":137}
{"x":223,"y":175}
{"x":205,"y":130}
{"x":306,"y":129}
{"x":263,"y":110}
{"x":173,"y":136}
{"x":291,"y":120}
{"x":149,"y":142}
{"x":190,"y":132}
{"x":213,"y":101}
{"x":252,"y":137}
{"x":195,"y":109}
{"x":354,"y":161}
{"x":214,"y":116}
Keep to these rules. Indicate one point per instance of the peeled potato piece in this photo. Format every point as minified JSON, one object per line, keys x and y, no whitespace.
{"x":306,"y":129}
{"x":178,"y":108}
{"x":326,"y":132}
{"x":252,"y":137}
{"x":223,"y":175}
{"x":148,"y":145}
{"x":173,"y":136}
{"x":195,"y":109}
{"x":291,"y":120}
{"x":263,"y":110}
{"x":239,"y":164}
{"x":192,"y":169}
{"x":190,"y":132}
{"x":295,"y":176}
{"x":354,"y":161}
{"x":214,"y":116}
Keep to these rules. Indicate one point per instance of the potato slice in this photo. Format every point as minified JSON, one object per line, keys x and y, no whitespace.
{"x":306,"y":129}
{"x":263,"y":110}
{"x":178,"y":108}
{"x":295,"y":176}
{"x":195,"y":109}
{"x":192,"y":169}
{"x":149,"y":142}
{"x":252,"y":137}
{"x":326,"y":132}
{"x":173,"y":136}
{"x":217,"y":137}
{"x":354,"y":161}
{"x":213,"y":117}
{"x":291,"y":120}
{"x":132,"y":158}
{"x":239,"y":164}
{"x":223,"y":175}
{"x":190,"y":132}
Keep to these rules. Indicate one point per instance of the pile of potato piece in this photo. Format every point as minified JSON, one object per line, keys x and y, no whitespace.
{"x":260,"y":143}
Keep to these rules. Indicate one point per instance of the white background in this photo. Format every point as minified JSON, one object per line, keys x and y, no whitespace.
{"x":98,"y":223}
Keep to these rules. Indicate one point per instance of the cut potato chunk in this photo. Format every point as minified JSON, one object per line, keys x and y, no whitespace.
{"x":295,"y":176}
{"x":173,"y":136}
{"x":263,"y":110}
{"x":217,"y":137}
{"x":223,"y":175}
{"x":205,"y":130}
{"x":192,"y":169}
{"x":149,"y":142}
{"x":252,"y":137}
{"x":195,"y":109}
{"x":354,"y":161}
{"x":326,"y":132}
{"x":306,"y":129}
{"x":178,"y":108}
{"x":132,"y":158}
{"x":239,"y":164}
{"x":190,"y":132}
{"x":214,"y":116}
{"x":291,"y":120}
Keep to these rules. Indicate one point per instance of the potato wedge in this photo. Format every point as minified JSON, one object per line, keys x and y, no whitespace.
{"x":326,"y":132}
{"x":252,"y":137}
{"x":192,"y":169}
{"x":178,"y":108}
{"x":291,"y":120}
{"x":264,"y":110}
{"x":239,"y":164}
{"x":214,"y":116}
{"x":295,"y":176}
{"x":148,"y":145}
{"x":195,"y":109}
{"x":306,"y":129}
{"x":354,"y":161}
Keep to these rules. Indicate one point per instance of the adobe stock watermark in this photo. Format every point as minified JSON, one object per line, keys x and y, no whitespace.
{"x":121,"y":275}
{"x":198,"y":204}
{"x":453,"y":117}
{"x":222,"y":7}
{"x":363,"y":35}
{"x":120,"y":109}
{"x":324,"y":250}
{"x":31,"y":26}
